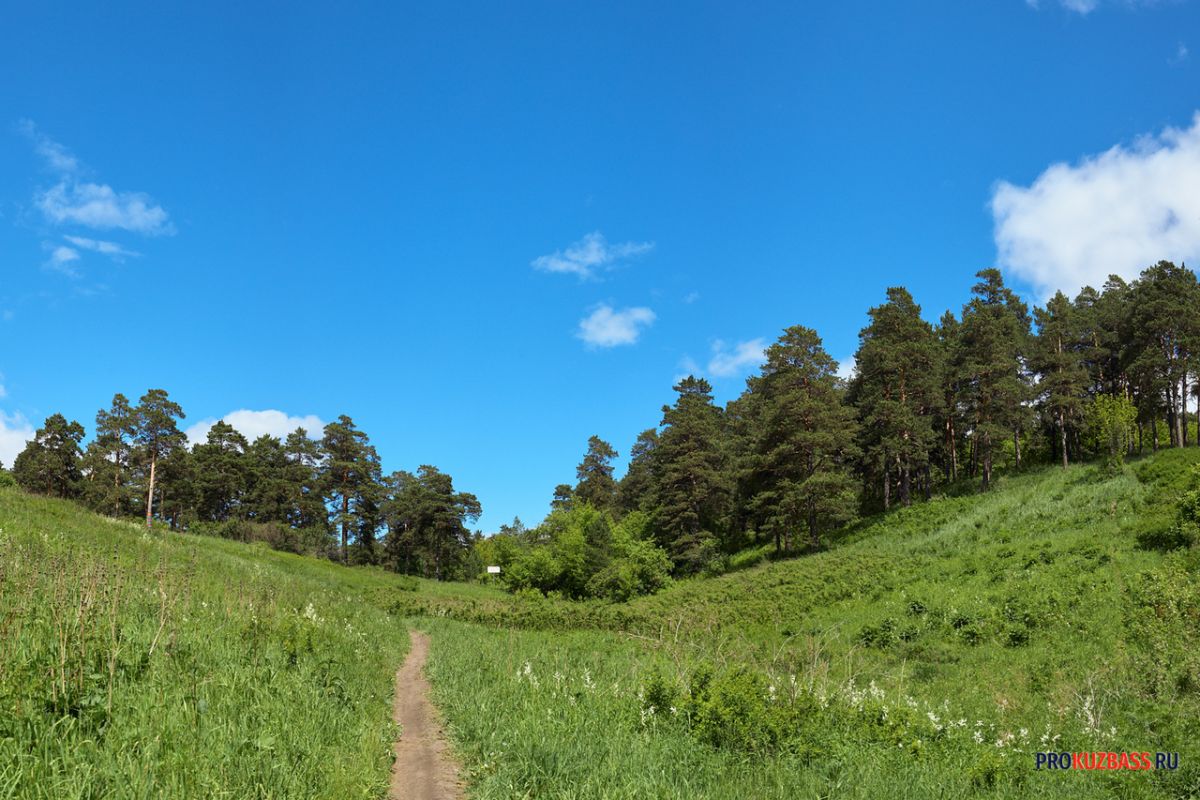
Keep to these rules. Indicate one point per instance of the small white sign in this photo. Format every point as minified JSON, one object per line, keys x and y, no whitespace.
{"x":493,"y":570}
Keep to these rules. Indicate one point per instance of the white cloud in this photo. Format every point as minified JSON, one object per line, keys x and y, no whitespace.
{"x":1080,"y":6}
{"x":253,"y":424}
{"x":1115,"y":213}
{"x":1085,"y":7}
{"x":691,"y":297}
{"x":93,"y":205}
{"x":1181,"y":54}
{"x":57,"y":157}
{"x":606,"y":327}
{"x":99,"y":206}
{"x":61,"y":259}
{"x":846,"y":368}
{"x":590,"y":253}
{"x":110,"y":249}
{"x":15,"y":431}
{"x":727,"y":362}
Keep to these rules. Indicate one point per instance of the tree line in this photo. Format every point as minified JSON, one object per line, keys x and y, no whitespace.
{"x":322,"y":496}
{"x":799,"y":453}
{"x":930,"y":406}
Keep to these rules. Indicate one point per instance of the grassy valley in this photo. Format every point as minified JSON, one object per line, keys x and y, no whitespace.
{"x":927,"y":652}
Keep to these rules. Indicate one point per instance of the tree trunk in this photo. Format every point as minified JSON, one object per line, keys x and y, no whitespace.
{"x":887,"y":491}
{"x":1017,"y":447}
{"x":345,"y":529}
{"x":117,"y":485}
{"x":985,"y":459}
{"x":150,"y":492}
{"x":1183,"y":410}
{"x":1062,"y":432}
{"x":952,"y":446}
{"x":1154,"y":433}
{"x":906,"y":486}
{"x":928,"y":482}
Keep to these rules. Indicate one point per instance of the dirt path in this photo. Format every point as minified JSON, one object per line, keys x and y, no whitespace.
{"x":424,"y":768}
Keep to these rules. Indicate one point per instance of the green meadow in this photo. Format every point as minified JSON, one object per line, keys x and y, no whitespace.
{"x":928,"y":652}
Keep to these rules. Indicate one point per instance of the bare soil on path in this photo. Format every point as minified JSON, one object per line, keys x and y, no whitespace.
{"x":424,"y":767}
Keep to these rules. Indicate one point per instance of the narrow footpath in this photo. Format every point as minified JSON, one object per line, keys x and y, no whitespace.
{"x":424,"y":768}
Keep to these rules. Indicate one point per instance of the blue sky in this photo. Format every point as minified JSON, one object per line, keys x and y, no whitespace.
{"x":487,"y":231}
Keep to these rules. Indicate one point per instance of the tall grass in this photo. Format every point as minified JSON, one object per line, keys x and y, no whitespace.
{"x":142,"y":664}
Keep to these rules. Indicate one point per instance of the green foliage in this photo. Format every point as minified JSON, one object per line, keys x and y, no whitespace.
{"x":582,"y":554}
{"x":1110,"y":427}
{"x":50,"y":462}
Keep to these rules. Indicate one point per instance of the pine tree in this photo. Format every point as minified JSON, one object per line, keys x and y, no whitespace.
{"x":1057,"y":358}
{"x":689,"y":485}
{"x":807,"y":440}
{"x":350,"y":471}
{"x":157,"y":436}
{"x":108,"y":457}
{"x":595,"y":474}
{"x":896,"y":390}
{"x":426,"y":519}
{"x":633,"y":492}
{"x":222,"y":473}
{"x":995,"y":330}
{"x":948,"y":415}
{"x":307,"y":504}
{"x":1164,"y":332}
{"x":50,"y":462}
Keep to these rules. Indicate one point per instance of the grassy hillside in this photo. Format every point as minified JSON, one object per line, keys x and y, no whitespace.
{"x":147,"y":664}
{"x":930,"y":653}
{"x":927,"y":653}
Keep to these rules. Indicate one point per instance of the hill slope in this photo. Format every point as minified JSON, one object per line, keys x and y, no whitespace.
{"x":932,"y":652}
{"x":929,"y":652}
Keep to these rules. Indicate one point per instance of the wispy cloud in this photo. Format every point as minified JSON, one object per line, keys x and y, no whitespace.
{"x":61,"y":259}
{"x":15,"y":432}
{"x":111,"y":249}
{"x":1181,"y":55}
{"x":253,"y":424}
{"x":74,"y":201}
{"x":1085,"y":7}
{"x":1115,"y":213}
{"x":591,"y":253}
{"x":57,"y":158}
{"x":727,"y":361}
{"x":607,"y":327}
{"x":846,"y":368}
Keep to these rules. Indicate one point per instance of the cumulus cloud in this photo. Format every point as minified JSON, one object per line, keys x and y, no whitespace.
{"x":253,"y":424}
{"x":846,"y":368}
{"x":110,"y":249}
{"x":1114,"y":213}
{"x":589,"y":254}
{"x":15,"y":431}
{"x":99,"y":206}
{"x":729,"y":361}
{"x":607,"y":327}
